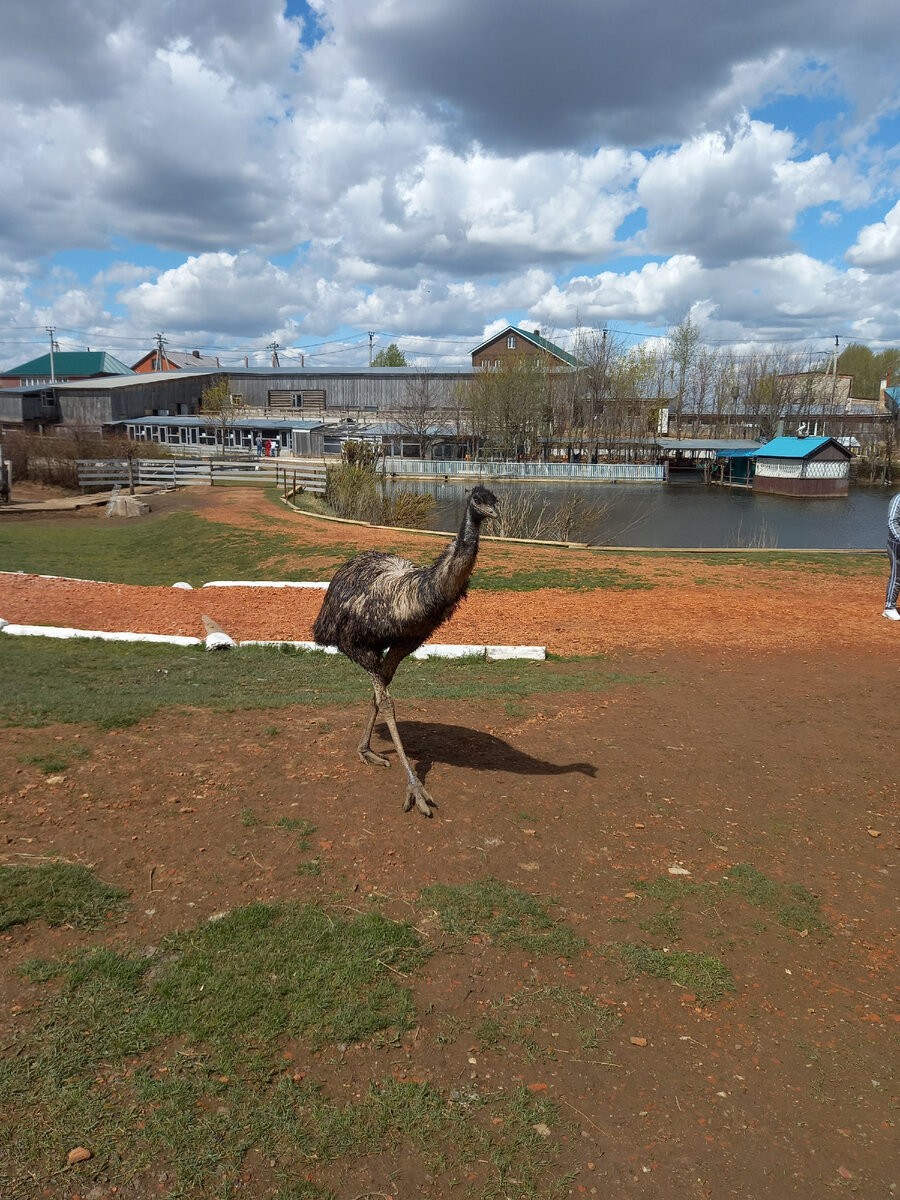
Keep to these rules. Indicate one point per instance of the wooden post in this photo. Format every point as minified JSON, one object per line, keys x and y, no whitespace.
{"x":211,"y":480}
{"x":294,"y":487}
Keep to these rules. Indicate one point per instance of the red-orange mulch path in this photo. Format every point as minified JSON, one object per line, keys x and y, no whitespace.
{"x":692,"y":603}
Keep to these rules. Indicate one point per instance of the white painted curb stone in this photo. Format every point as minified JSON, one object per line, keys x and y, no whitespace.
{"x":185,"y":587}
{"x":56,"y":631}
{"x":500,"y":653}
{"x":219,"y":641}
{"x":438,"y":650}
{"x":260,"y":584}
{"x":294,"y":645}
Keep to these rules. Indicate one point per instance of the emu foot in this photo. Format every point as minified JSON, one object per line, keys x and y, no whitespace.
{"x":371,"y":758}
{"x":416,"y":795}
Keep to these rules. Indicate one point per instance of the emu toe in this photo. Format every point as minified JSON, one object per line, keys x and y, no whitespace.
{"x":371,"y":758}
{"x":418,"y":797}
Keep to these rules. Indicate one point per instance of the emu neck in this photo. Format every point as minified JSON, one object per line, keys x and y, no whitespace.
{"x":454,"y":567}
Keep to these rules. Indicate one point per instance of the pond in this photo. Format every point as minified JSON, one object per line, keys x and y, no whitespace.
{"x":694,"y":516}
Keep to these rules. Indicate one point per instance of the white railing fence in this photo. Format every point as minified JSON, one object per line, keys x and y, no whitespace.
{"x":181,"y":472}
{"x":600,"y":472}
{"x":787,"y":469}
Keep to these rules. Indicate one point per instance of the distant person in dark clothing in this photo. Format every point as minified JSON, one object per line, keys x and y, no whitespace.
{"x":893,"y":549}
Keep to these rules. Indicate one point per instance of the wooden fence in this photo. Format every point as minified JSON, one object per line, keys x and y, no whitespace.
{"x":181,"y":472}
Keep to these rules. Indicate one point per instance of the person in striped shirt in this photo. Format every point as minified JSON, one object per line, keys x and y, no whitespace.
{"x":893,"y":548}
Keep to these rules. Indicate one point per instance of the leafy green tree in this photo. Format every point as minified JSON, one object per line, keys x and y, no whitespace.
{"x":869,"y":369}
{"x":391,"y":356}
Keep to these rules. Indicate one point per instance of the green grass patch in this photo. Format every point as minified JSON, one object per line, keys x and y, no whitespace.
{"x":703,"y":975}
{"x":176,"y":1061}
{"x":60,"y":759}
{"x":60,"y":894}
{"x":163,"y":550}
{"x":502,"y":915}
{"x":525,"y":1023}
{"x":849,"y":563}
{"x":582,"y":578}
{"x":116,"y":684}
{"x":792,"y":905}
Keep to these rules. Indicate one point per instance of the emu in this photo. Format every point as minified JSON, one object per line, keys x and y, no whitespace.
{"x":379,"y":608}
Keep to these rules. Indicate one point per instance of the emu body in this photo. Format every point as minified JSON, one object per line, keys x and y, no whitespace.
{"x":379,"y":608}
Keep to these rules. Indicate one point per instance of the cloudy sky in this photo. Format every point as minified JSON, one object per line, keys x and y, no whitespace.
{"x":233,"y":174}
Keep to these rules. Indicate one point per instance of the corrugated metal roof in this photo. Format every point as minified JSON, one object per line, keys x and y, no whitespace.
{"x":793,"y":447}
{"x":705,"y":443}
{"x":132,"y":379}
{"x":72,"y":362}
{"x":194,"y":422}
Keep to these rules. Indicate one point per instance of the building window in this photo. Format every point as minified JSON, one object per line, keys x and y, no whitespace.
{"x":496,"y":362}
{"x":511,"y":342}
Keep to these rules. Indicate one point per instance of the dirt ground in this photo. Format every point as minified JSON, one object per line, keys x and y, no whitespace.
{"x":760,"y":727}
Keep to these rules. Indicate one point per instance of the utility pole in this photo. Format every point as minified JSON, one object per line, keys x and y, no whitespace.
{"x":51,"y":329}
{"x":273,"y":346}
{"x":162,"y":363}
{"x":834,"y":374}
{"x":371,"y":339}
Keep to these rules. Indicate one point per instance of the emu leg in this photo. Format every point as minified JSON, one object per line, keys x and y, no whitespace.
{"x":364,"y":750}
{"x":415,"y":791}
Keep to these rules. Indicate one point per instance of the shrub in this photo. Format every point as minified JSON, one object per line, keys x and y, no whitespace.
{"x":354,"y":490}
{"x":53,"y":459}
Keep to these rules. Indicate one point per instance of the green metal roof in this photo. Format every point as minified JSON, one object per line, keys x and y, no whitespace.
{"x":535,"y":339}
{"x":71,"y":362}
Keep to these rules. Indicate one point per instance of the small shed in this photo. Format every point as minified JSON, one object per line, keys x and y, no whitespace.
{"x":802,"y":466}
{"x":733,"y":468}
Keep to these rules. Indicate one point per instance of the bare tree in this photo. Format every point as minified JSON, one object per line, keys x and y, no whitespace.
{"x":685,"y":341}
{"x":417,"y":413}
{"x":512,"y":407}
{"x":219,"y":411}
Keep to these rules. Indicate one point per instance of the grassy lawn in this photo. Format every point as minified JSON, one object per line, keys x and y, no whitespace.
{"x":112,"y":684}
{"x":178,"y":546}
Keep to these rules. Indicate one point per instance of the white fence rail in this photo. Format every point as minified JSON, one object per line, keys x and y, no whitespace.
{"x":600,"y":472}
{"x":781,"y":469}
{"x":181,"y":472}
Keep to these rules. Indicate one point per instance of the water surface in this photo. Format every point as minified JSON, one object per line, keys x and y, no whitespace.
{"x":693,"y":515}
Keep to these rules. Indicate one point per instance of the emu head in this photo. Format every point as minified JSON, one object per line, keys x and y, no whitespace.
{"x":483,"y":503}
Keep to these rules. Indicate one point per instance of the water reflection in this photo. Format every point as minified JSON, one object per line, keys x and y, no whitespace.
{"x":692,"y":515}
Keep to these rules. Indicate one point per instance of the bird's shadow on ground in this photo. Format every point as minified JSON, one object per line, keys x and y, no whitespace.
{"x":427,"y":743}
